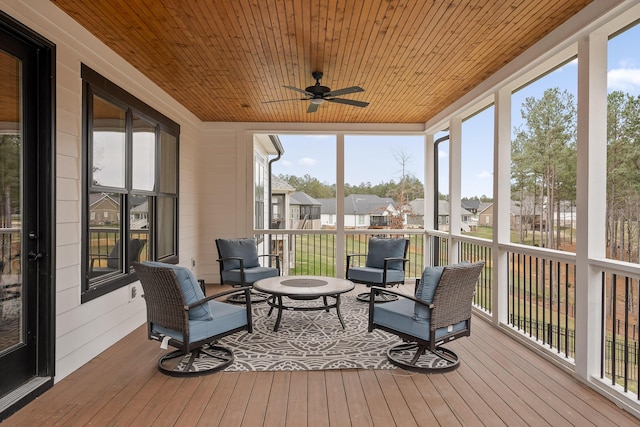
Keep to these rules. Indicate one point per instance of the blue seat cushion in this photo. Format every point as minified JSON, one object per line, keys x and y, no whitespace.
{"x":374,"y":275}
{"x":251,"y":275}
{"x":191,"y":290}
{"x":399,"y":316}
{"x":426,"y":289}
{"x":379,"y":249}
{"x":245,"y":248}
{"x":226,"y":317}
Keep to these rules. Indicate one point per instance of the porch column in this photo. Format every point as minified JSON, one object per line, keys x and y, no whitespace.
{"x":501,"y":205}
{"x":340,"y":261}
{"x":591,"y":199}
{"x":455,"y":179}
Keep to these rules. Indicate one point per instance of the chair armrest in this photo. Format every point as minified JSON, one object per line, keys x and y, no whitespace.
{"x":396,"y":259}
{"x":276,"y":256}
{"x":231,"y":258}
{"x":99,"y":257}
{"x":387,"y":260}
{"x":218,"y":295}
{"x":349,"y":256}
{"x":381,"y":290}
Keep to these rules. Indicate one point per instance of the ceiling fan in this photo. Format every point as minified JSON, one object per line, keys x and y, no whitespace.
{"x":317,"y":94}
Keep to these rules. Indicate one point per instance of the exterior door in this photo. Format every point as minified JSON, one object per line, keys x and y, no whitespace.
{"x":25,"y":213}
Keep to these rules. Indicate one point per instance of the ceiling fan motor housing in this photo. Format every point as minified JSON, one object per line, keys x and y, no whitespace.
{"x":317,"y":90}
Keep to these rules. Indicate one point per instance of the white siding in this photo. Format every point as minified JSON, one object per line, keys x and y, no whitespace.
{"x":85,"y":330}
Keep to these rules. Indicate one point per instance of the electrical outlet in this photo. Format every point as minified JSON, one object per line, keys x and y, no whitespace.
{"x":133,"y":292}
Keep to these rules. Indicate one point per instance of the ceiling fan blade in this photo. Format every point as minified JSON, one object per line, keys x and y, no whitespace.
{"x":299,"y":90}
{"x":348,"y":102}
{"x":284,"y":100}
{"x":312,"y":107}
{"x":345,"y":91}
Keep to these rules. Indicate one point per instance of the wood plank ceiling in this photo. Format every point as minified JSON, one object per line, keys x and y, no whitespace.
{"x":224,"y":59}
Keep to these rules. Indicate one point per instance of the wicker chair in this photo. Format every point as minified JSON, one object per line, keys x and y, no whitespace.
{"x":439,"y":312}
{"x":179,"y":315}
{"x":384,"y":266}
{"x":113,"y":259}
{"x":240,"y":266}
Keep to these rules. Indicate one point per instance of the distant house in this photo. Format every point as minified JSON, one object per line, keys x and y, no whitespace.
{"x":281,"y":193}
{"x":485,"y":216}
{"x":367,"y":210}
{"x":327,"y":213}
{"x":360,"y":211}
{"x":305,"y":211}
{"x":416,"y":217}
{"x":444,"y":213}
{"x":472,"y":206}
{"x":139,"y":216}
{"x":519,"y":213}
{"x":103,"y":210}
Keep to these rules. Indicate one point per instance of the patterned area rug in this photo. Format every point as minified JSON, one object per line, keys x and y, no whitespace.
{"x":311,"y":340}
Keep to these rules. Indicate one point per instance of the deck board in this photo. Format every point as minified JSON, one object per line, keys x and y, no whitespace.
{"x":195,"y":405}
{"x":499,"y":382}
{"x":297,"y":399}
{"x":336,"y":398}
{"x":276,"y":414}
{"x":377,"y":404}
{"x":318,"y":406}
{"x":400,"y":409}
{"x":258,"y":399}
{"x":213,"y":412}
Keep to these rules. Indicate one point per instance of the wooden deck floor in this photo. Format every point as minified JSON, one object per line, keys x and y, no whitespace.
{"x":498,"y":383}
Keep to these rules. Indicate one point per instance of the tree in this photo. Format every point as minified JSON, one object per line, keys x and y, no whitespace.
{"x":543,"y":149}
{"x":623,"y":176}
{"x":311,"y":186}
{"x":10,"y":147}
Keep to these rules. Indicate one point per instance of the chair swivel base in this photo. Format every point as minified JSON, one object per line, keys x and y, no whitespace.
{"x":378,"y":298}
{"x":256,"y":297}
{"x":411,"y":357}
{"x":201,"y":361}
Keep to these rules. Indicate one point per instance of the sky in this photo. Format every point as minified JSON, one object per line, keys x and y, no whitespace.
{"x":315,"y":154}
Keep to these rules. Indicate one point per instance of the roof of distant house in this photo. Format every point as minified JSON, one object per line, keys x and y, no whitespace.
{"x":279,"y":184}
{"x":470,"y":204}
{"x":302,"y":198}
{"x":417,"y":207}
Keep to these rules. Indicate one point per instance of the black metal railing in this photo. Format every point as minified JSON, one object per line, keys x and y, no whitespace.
{"x":474,"y":252}
{"x":619,"y":339}
{"x":102,"y":240}
{"x":315,"y":252}
{"x":542,"y":292}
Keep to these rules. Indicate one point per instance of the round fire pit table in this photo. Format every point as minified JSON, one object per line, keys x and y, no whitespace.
{"x":303,"y":288}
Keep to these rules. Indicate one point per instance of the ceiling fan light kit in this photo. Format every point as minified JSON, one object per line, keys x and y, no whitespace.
{"x":317,"y":94}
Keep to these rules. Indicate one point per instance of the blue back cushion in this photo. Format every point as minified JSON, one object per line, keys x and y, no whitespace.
{"x":379,"y":249}
{"x":191,"y":290}
{"x":426,"y":289}
{"x":247,"y":249}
